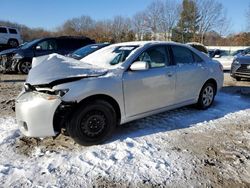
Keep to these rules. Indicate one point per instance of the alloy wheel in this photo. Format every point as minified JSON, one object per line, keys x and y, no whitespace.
{"x":207,"y":96}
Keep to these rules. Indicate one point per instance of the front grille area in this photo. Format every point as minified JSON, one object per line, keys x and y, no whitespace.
{"x":243,"y":69}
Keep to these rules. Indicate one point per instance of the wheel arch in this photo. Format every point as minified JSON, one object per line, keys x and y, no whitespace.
{"x":106,"y":98}
{"x":61,"y":118}
{"x":10,"y":39}
{"x":213,"y":81}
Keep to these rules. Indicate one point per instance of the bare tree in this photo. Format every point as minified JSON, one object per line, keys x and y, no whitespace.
{"x":138,"y":25}
{"x":212,"y":17}
{"x":154,"y":15}
{"x":171,"y":14}
{"x":79,"y":25}
{"x":120,"y":29}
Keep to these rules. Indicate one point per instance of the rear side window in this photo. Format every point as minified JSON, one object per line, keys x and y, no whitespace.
{"x":182,"y":55}
{"x":3,"y":30}
{"x":12,"y":31}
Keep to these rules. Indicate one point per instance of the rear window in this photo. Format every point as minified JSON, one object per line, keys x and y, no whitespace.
{"x":3,"y":30}
{"x":13,"y":31}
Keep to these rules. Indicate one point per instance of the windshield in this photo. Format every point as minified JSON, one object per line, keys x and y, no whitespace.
{"x":109,"y":56}
{"x":82,"y":52}
{"x":29,"y":44}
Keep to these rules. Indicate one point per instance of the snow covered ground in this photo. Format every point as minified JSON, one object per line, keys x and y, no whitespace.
{"x":161,"y":150}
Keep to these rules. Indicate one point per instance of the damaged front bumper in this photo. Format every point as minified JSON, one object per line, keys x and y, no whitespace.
{"x":6,"y":63}
{"x":35,"y":113}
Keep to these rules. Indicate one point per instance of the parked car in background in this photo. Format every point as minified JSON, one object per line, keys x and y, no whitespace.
{"x":225,"y":57}
{"x":10,"y":37}
{"x":241,"y":66}
{"x":114,"y":85}
{"x":199,"y":46}
{"x":20,"y":59}
{"x":86,"y":50}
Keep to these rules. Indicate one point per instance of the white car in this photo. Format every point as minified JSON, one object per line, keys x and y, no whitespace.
{"x":112,"y":86}
{"x":225,"y":57}
{"x":10,"y":36}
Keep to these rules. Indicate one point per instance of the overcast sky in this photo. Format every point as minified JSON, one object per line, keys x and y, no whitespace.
{"x":50,"y":14}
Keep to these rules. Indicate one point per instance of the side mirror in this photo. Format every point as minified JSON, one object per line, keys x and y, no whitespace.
{"x":38,"y":47}
{"x":217,"y":56}
{"x":139,"y":66}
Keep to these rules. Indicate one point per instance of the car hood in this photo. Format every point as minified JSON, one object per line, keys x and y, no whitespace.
{"x":55,"y":69}
{"x":244,"y":59}
{"x":12,"y":50}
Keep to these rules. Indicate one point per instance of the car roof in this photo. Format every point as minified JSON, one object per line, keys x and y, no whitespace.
{"x":144,"y":43}
{"x":8,"y":27}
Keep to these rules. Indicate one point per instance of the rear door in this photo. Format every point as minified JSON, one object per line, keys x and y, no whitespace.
{"x":191,"y":73}
{"x":150,"y":89}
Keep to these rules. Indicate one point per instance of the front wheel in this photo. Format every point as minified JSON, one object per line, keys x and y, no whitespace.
{"x":24,"y":67}
{"x":206,"y":96}
{"x":93,"y":123}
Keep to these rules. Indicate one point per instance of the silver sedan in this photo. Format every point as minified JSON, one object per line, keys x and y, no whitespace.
{"x":112,"y":86}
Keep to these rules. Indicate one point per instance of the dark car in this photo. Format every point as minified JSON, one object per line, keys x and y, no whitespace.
{"x":20,"y":59}
{"x":86,"y":50}
{"x":241,"y":66}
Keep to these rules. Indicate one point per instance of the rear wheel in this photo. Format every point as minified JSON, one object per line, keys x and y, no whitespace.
{"x":13,"y":43}
{"x":24,"y":67}
{"x":93,"y":123}
{"x":206,"y":96}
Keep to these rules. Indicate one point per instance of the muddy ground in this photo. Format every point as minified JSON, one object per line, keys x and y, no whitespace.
{"x":212,"y":149}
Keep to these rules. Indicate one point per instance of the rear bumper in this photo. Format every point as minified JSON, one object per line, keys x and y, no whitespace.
{"x":35,"y":113}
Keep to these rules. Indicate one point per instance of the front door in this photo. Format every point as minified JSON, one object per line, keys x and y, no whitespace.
{"x":45,"y":47}
{"x":150,"y":89}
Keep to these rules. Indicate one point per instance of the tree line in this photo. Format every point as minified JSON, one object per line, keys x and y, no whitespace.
{"x":203,"y":21}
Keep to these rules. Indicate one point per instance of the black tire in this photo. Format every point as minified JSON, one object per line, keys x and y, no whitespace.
{"x":92,"y":123}
{"x":238,"y":78}
{"x":13,"y":43}
{"x":206,"y":97}
{"x":24,"y":67}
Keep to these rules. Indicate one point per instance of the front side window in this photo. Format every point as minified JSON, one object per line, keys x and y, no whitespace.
{"x":47,"y":45}
{"x":155,"y":57}
{"x":3,"y":30}
{"x":182,"y":55}
{"x":12,"y":31}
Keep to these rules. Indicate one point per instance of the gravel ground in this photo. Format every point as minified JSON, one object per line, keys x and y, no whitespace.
{"x":221,"y":157}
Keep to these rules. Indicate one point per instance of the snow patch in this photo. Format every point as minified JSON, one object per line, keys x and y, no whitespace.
{"x":140,"y":153}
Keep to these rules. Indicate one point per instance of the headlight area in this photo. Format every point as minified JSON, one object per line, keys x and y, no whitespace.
{"x":47,"y":93}
{"x":62,"y":115}
{"x":64,"y":109}
{"x":17,"y":56}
